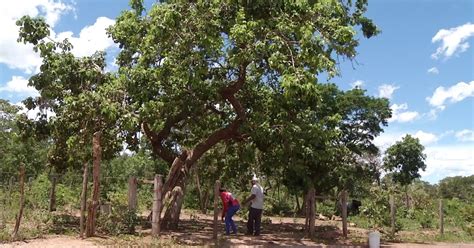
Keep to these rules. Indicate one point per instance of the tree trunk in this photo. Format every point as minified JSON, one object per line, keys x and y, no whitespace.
{"x":92,"y":211}
{"x":298,"y":208}
{"x":171,"y":218}
{"x":22,"y":202}
{"x":174,"y":189}
{"x":203,"y":194}
{"x":303,"y":207}
{"x":182,"y":164}
{"x":407,"y":198}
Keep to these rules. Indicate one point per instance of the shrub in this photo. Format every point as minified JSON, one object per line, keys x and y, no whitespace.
{"x":120,"y":221}
{"x":377,"y":209}
{"x":469,"y":228}
{"x":279,"y":207}
{"x":37,"y":193}
{"x":326,"y":208}
{"x":425,"y":218}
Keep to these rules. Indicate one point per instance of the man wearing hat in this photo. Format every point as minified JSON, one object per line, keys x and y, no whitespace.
{"x":256,"y":208}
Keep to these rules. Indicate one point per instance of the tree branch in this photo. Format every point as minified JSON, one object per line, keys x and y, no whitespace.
{"x":229,"y":131}
{"x":157,"y":144}
{"x":158,"y":138}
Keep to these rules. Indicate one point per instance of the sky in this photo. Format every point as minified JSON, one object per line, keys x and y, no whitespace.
{"x":422,"y":62}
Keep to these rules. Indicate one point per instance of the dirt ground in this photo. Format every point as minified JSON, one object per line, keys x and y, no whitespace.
{"x":196,"y":230}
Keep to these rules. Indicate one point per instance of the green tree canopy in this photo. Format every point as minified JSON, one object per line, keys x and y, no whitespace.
{"x":459,"y":186}
{"x":18,"y":145}
{"x":405,"y":159}
{"x":82,"y":96}
{"x":198,"y":73}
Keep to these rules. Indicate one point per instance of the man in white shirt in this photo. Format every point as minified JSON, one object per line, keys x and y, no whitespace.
{"x":256,"y":208}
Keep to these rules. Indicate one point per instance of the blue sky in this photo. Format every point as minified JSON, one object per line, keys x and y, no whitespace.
{"x":422,"y":61}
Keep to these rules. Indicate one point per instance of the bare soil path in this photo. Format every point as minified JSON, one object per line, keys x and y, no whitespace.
{"x":53,"y":241}
{"x":196,"y":230}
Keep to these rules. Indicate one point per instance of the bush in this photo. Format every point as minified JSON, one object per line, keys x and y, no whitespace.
{"x":191,"y":198}
{"x":425,"y":218}
{"x":63,"y":223}
{"x":326,"y":208}
{"x":377,"y":209}
{"x":279,"y":207}
{"x":469,"y":228}
{"x":37,"y":194}
{"x":120,"y":221}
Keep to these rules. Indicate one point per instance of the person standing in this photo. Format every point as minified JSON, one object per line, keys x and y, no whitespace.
{"x":256,"y":208}
{"x":230,"y":207}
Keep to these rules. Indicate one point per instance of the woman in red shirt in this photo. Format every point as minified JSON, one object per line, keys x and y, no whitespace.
{"x":231,"y":206}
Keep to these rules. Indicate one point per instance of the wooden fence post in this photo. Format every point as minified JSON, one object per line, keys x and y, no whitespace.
{"x":441,"y":217}
{"x":312,"y":212}
{"x":83,"y":201}
{"x":392,"y":215}
{"x":132,"y":193}
{"x":22,"y":202}
{"x":344,"y":213}
{"x":156,"y":212}
{"x":52,"y":194}
{"x":217,"y":186}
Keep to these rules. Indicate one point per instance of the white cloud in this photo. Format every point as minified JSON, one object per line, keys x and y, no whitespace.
{"x":399,"y":115}
{"x":33,"y":114}
{"x":21,"y":56}
{"x":465,"y":135}
{"x":387,"y":139}
{"x":357,"y":84}
{"x":452,"y":40}
{"x":433,"y":70}
{"x":455,"y":93}
{"x":426,"y":138}
{"x":441,"y":160}
{"x":17,"y":55}
{"x":91,"y":38}
{"x":19,"y":86}
{"x":444,"y":161}
{"x":386,"y":90}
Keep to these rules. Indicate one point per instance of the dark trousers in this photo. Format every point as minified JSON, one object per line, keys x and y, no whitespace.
{"x":255,"y":218}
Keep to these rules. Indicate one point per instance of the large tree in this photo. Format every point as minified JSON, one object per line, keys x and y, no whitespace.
{"x":405,"y":159}
{"x":201,"y":72}
{"x":86,"y":102}
{"x":323,"y":141}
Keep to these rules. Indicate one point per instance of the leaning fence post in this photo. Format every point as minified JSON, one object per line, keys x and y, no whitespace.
{"x":22,"y":202}
{"x":344,"y":213}
{"x":132,"y":193}
{"x":392,"y":214}
{"x":217,"y":186}
{"x":156,"y":213}
{"x":441,"y":217}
